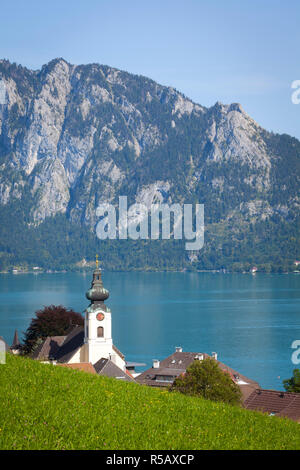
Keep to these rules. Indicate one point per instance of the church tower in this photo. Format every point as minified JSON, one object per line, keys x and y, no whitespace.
{"x":97,"y":325}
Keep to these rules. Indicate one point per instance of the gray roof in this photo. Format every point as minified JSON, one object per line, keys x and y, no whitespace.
{"x":73,"y":341}
{"x":173,"y":365}
{"x":60,"y":348}
{"x":108,"y":368}
{"x":281,"y":404}
{"x":178,"y":362}
{"x":168,"y":371}
{"x":48,"y":348}
{"x":16,"y":342}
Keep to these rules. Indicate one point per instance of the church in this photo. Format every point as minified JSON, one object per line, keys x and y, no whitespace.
{"x":90,"y":347}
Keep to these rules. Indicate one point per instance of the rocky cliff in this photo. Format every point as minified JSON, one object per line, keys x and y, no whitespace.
{"x":72,"y":136}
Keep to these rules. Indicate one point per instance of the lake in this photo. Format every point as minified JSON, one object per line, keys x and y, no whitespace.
{"x":249,"y":320}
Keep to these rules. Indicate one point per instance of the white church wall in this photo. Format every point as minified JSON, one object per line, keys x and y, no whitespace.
{"x":98,"y":341}
{"x":77,"y":357}
{"x":116,"y":359}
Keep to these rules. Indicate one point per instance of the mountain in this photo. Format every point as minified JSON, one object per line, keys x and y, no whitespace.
{"x":75,"y":136}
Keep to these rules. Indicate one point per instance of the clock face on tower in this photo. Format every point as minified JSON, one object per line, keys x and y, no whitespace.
{"x":100,"y":316}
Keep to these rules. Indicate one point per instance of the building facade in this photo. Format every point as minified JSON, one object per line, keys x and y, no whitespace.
{"x":91,"y":344}
{"x":98,"y":341}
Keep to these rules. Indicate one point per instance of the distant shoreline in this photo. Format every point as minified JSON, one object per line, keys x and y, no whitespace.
{"x":211,"y":271}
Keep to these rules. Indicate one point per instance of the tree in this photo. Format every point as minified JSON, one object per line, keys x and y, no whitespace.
{"x":207,"y":380}
{"x":293,"y":384}
{"x":53,"y":320}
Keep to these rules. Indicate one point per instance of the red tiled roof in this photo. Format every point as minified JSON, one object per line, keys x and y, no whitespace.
{"x":130,"y":375}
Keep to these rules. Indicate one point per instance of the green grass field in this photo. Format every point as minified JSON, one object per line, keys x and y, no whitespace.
{"x":51,"y":407}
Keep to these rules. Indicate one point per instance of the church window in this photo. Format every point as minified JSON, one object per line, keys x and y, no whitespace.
{"x":100,"y":332}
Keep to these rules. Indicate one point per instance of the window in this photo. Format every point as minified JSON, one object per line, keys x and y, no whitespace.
{"x":165,"y":378}
{"x":100,"y":332}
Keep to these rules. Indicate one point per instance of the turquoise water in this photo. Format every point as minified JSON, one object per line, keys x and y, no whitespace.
{"x":249,"y":320}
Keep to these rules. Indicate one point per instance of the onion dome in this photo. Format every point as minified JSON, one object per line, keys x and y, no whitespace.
{"x":97,"y":293}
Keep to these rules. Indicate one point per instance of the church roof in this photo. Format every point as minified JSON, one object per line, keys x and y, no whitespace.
{"x":108,"y":368}
{"x":48,"y":348}
{"x":60,"y":348}
{"x":118,"y":352}
{"x":73,"y":341}
{"x":97,"y":293}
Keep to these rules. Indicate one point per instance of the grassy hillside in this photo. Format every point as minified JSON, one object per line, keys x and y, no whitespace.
{"x":51,"y":407}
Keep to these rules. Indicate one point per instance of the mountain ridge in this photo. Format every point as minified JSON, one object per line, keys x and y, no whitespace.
{"x":73,"y":136}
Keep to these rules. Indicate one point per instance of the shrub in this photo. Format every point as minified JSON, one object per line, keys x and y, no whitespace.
{"x":293,"y":384}
{"x":205,"y":379}
{"x":54,"y":320}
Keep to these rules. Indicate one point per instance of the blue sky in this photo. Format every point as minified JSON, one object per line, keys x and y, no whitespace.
{"x":214,"y":50}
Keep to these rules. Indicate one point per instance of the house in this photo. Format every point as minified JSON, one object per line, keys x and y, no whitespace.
{"x":108,"y":368}
{"x":163,"y":373}
{"x":275,"y":403}
{"x":89,"y":347}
